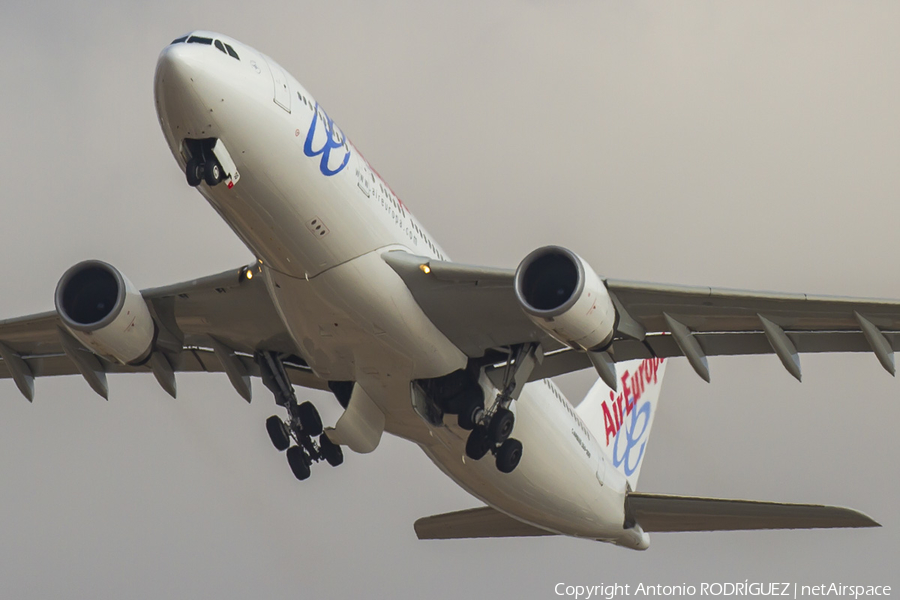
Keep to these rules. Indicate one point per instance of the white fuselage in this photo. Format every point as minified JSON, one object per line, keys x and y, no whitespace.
{"x":318,"y":217}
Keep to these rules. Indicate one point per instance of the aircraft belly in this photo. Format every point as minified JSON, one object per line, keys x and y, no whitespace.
{"x":555,"y":485}
{"x":358,"y":322}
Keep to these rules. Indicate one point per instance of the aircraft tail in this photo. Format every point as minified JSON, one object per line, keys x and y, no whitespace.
{"x":621,"y":420}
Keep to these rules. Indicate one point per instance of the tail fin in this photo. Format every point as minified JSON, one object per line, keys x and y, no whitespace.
{"x":621,"y":420}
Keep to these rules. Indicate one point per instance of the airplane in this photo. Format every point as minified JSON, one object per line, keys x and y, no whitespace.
{"x":349,"y":293}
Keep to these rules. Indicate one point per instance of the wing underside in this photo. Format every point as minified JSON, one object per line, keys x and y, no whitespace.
{"x":654,"y":320}
{"x":214,"y":324}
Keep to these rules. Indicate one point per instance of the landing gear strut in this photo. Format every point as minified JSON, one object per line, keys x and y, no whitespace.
{"x":302,"y":425}
{"x":491,"y":429}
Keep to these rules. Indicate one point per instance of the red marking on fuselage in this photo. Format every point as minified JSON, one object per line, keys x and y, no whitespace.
{"x":633,"y":386}
{"x":380,"y":178}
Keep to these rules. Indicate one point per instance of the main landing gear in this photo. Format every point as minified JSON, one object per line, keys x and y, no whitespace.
{"x":491,"y":430}
{"x":301,"y":435}
{"x":202,"y":166}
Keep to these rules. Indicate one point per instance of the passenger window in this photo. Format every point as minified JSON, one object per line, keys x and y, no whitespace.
{"x":220,"y":46}
{"x":231,"y":52}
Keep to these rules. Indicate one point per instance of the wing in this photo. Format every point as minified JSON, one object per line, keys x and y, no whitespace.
{"x":482,"y":522}
{"x":657,"y":512}
{"x":213,"y":324}
{"x":476,"y":308}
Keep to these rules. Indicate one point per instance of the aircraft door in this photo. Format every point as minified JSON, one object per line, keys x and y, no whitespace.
{"x":282,"y":88}
{"x":601,"y":469}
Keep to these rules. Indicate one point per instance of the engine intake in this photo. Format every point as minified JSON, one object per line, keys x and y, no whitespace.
{"x":564,"y":296}
{"x":104,"y":311}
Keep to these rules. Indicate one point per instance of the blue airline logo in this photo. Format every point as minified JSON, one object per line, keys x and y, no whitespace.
{"x":634,"y":439}
{"x":334,"y":140}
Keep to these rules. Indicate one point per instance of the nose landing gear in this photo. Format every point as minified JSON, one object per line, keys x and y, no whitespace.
{"x":203,"y":165}
{"x":302,"y":426}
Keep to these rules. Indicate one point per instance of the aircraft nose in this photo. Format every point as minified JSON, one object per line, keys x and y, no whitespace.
{"x":178,"y":63}
{"x":178,"y":87}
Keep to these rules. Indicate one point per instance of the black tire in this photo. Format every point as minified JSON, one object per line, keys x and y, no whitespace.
{"x":501,"y":425}
{"x":508,"y":455}
{"x":469,"y":417}
{"x":310,"y":420}
{"x":477,"y":445}
{"x":212,"y":173}
{"x":331,"y":451}
{"x":278,"y":433}
{"x":298,"y":462}
{"x":194,"y":172}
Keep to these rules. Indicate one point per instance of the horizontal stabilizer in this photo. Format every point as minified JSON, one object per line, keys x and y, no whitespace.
{"x":484,"y":522}
{"x":655,"y":512}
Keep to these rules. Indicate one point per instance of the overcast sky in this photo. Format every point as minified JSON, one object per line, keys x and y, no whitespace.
{"x":751,"y":145}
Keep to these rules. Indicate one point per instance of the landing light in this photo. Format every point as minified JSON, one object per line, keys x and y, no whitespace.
{"x":425,"y":269}
{"x":249,"y":274}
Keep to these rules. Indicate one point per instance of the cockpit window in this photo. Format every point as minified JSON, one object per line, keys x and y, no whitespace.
{"x":195,"y":39}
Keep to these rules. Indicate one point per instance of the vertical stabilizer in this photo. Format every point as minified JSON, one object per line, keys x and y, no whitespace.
{"x":621,"y":420}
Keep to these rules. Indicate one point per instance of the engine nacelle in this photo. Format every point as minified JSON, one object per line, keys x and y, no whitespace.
{"x":105,"y":312}
{"x":565,"y":297}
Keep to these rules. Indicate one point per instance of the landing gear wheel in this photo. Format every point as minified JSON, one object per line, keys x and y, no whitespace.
{"x":309,"y":419}
{"x":278,"y":433}
{"x":331,"y":451}
{"x":470,"y":416}
{"x":213,"y":173}
{"x":477,"y":445}
{"x":194,"y":172}
{"x":508,"y":455}
{"x":501,"y":425}
{"x":298,"y":462}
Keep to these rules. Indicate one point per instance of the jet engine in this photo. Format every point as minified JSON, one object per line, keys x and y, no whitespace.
{"x":565,"y":297}
{"x":105,"y":312}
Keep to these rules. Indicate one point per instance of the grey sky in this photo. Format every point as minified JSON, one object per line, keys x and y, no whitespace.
{"x":750,"y":145}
